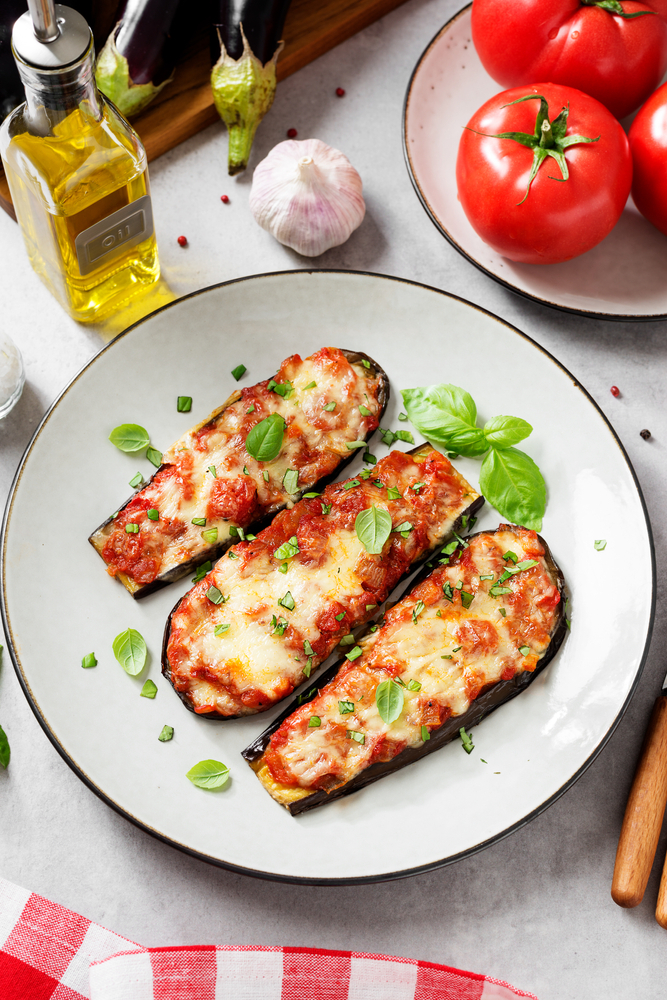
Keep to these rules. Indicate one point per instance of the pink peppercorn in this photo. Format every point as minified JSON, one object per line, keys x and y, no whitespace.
{"x":615,"y":391}
{"x":292,"y":133}
{"x":182,"y":241}
{"x":340,"y":92}
{"x":224,"y":198}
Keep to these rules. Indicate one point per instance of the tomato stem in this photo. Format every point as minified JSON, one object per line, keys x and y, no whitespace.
{"x":614,"y":7}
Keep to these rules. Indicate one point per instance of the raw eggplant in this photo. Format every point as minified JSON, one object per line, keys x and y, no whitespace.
{"x":139,"y":56}
{"x":486,"y":702}
{"x":99,"y":537}
{"x":245,"y":46}
{"x":282,"y":675}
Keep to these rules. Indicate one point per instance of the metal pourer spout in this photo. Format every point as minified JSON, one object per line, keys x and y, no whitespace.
{"x":43,"y":13}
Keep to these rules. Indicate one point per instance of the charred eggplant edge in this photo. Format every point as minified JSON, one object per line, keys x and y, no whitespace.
{"x":491,"y":699}
{"x":214,"y":716}
{"x":213,"y":552}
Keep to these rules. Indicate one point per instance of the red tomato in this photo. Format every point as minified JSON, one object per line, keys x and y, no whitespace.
{"x":617,"y":60}
{"x":648,"y":144}
{"x":558,"y":219}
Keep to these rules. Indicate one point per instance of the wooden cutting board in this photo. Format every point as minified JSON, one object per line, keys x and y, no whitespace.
{"x":185,"y":106}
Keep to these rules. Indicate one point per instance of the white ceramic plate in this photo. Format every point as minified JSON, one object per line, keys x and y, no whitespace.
{"x":58,"y":602}
{"x":622,"y":278}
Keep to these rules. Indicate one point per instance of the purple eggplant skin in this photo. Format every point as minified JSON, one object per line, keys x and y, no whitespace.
{"x":263,"y":22}
{"x":214,"y":717}
{"x":487,"y":702}
{"x":219,"y":548}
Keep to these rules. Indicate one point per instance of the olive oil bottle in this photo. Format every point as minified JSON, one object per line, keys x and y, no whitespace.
{"x":76,"y":171}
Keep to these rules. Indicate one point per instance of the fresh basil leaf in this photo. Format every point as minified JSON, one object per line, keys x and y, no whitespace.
{"x":389,"y":699}
{"x":154,"y":457}
{"x":513,"y":484}
{"x":210,"y":536}
{"x":208,"y":774}
{"x":129,"y":648}
{"x":357,"y":737}
{"x":5,"y":752}
{"x":404,"y":436}
{"x":345,"y":707}
{"x":314,"y":721}
{"x":373,"y":527}
{"x":393,"y":493}
{"x":149,"y":690}
{"x":221,"y":629}
{"x":265,"y":439}
{"x":137,"y":480}
{"x":202,"y":570}
{"x":291,"y":481}
{"x":307,"y":648}
{"x":166,"y":734}
{"x":88,"y":661}
{"x":287,"y":602}
{"x":503,"y":432}
{"x":214,"y":595}
{"x":130,"y":437}
{"x":288,"y":549}
{"x":446,"y":415}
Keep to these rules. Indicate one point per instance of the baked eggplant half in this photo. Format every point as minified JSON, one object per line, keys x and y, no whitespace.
{"x":469,"y":636}
{"x":259,"y":452}
{"x":272,"y":609}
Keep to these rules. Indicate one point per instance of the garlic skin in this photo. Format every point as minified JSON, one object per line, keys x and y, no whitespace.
{"x":307,"y":195}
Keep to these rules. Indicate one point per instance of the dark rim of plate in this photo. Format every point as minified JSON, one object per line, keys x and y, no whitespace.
{"x":257,"y":873}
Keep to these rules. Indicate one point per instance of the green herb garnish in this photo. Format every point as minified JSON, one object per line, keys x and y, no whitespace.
{"x":132,"y":528}
{"x":265,"y":439}
{"x":417,"y":610}
{"x":345,"y":707}
{"x":389,"y":699}
{"x":447,"y":591}
{"x":149,"y":690}
{"x":351,"y":484}
{"x":214,"y":595}
{"x":354,"y":653}
{"x":394,"y":494}
{"x":88,"y":661}
{"x":290,"y":481}
{"x":357,"y":737}
{"x":184,"y":404}
{"x":425,"y":734}
{"x":326,"y":508}
{"x":340,"y":617}
{"x":287,"y":602}
{"x":5,"y":752}
{"x":307,"y":648}
{"x":166,"y":734}
{"x":279,"y":625}
{"x":201,"y":571}
{"x":311,"y":385}
{"x":137,"y":480}
{"x":130,"y":437}
{"x":154,"y":457}
{"x":129,"y":648}
{"x":524,"y":650}
{"x":314,"y":721}
{"x":288,"y":549}
{"x":467,"y":742}
{"x":414,"y":685}
{"x":239,"y":372}
{"x":153,"y":514}
{"x":199,"y":521}
{"x":210,"y":536}
{"x":600,"y":544}
{"x":466,"y":598}
{"x":373,"y":527}
{"x":209,"y":774}
{"x":329,"y":407}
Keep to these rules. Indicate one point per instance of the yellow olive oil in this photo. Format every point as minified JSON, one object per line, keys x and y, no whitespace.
{"x":79,"y":182}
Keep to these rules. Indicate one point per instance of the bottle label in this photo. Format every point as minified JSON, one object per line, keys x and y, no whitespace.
{"x":108,"y":238}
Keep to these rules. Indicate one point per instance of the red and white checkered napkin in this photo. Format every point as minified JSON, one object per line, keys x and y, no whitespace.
{"x":48,"y":952}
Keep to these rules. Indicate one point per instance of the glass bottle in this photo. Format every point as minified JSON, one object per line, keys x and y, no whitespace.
{"x":76,"y":171}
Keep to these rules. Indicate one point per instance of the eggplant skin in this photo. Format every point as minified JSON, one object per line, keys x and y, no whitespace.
{"x":328,"y":675}
{"x":262,"y":21}
{"x":98,"y":536}
{"x":487,"y":702}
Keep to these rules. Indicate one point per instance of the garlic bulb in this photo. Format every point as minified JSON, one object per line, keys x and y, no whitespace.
{"x":307,"y":195}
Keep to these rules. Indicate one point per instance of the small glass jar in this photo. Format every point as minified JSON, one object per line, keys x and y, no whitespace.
{"x":12,"y":375}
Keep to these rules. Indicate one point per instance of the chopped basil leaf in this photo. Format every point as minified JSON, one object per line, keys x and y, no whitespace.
{"x":438,"y":613}
{"x":455,"y":649}
{"x":425,"y":734}
{"x":326,"y":507}
{"x":211,"y":469}
{"x":404,"y":436}
{"x":329,"y":407}
{"x":153,"y":514}
{"x":466,"y":598}
{"x":461,"y":541}
{"x":88,"y":661}
{"x":219,"y":629}
{"x":251,"y":408}
{"x":519,"y":568}
{"x":287,"y":549}
{"x":279,"y":626}
{"x":389,"y":699}
{"x":600,"y":544}
{"x":287,"y":602}
{"x":149,"y":690}
{"x":394,"y":494}
{"x":417,"y":610}
{"x":450,"y":548}
{"x":214,"y":595}
{"x":347,"y":640}
{"x":265,"y":474}
{"x":365,"y":474}
{"x":311,"y":385}
{"x":129,"y":648}
{"x":154,"y":457}
{"x":369,"y":607}
{"x":447,"y":591}
{"x":345,"y":707}
{"x":467,"y":742}
{"x":497,"y":590}
{"x":365,"y":363}
{"x":373,"y":527}
{"x":524,"y":650}
{"x":236,"y":532}
{"x":452,"y":455}
{"x":291,"y":480}
{"x":314,"y":721}
{"x":239,"y":371}
{"x":284,"y":389}
{"x":340,"y":617}
{"x":354,"y":653}
{"x":374,"y":628}
{"x":447,"y":656}
{"x":352,"y":483}
{"x":371,"y":459}
{"x":351,"y":445}
{"x":132,"y":529}
{"x":502,"y":612}
{"x":306,"y":696}
{"x":486,"y":576}
{"x":357,"y":737}
{"x":282,"y":568}
{"x":184,"y":404}
{"x":387,"y":436}
{"x":399,"y":680}
{"x":308,"y":667}
{"x":137,"y":480}
{"x":414,"y":685}
{"x":166,"y":734}
{"x":202,"y":570}
{"x":130,"y":437}
{"x":208,"y":774}
{"x":417,"y":487}
{"x":378,"y":483}
{"x":200,"y":521}
{"x":403,"y":417}
{"x":266,"y":438}
{"x":512,"y":556}
{"x":307,"y":648}
{"x":364,"y":411}
{"x":210,"y":536}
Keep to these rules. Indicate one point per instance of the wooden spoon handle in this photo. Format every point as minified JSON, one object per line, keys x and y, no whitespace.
{"x":643,"y":814}
{"x":661,"y":908}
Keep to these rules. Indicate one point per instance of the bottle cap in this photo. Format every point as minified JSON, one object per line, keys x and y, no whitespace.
{"x":42,"y":22}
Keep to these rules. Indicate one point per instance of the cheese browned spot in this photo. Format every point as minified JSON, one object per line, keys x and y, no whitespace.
{"x":480,"y":647}
{"x":208,"y":474}
{"x":331,"y":585}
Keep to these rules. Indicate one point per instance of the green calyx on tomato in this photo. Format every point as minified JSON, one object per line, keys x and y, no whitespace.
{"x":614,"y":7}
{"x":548,"y":139}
